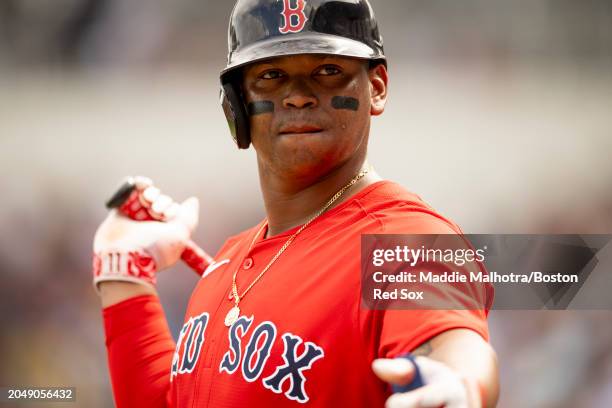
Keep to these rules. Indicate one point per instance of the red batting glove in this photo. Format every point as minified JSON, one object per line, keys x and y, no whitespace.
{"x":135,"y":200}
{"x":134,"y":251}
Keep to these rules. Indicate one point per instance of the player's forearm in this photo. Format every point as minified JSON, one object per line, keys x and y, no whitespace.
{"x":471,"y":357}
{"x":113,"y":292}
{"x":140,"y":350}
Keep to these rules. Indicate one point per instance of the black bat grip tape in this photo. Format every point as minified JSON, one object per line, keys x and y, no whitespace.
{"x":121,"y":195}
{"x":417,"y":381}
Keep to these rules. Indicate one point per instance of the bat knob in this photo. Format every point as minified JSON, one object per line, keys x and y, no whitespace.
{"x":122,"y":194}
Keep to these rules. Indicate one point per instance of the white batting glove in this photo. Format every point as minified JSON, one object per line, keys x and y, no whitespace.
{"x":443,"y":386}
{"x":134,"y":251}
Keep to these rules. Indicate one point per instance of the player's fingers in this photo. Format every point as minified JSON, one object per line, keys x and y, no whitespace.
{"x":433,"y":396}
{"x":172,"y":211}
{"x":405,"y":400}
{"x":189,"y":213}
{"x":443,"y":387}
{"x":150,"y":194}
{"x":141,"y":182}
{"x":161,"y":204}
{"x":398,"y":371}
{"x":429,"y":396}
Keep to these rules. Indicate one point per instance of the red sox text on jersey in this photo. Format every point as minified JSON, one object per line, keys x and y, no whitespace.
{"x":248,"y":358}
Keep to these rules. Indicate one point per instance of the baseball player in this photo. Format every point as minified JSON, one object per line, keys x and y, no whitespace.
{"x":275,"y":320}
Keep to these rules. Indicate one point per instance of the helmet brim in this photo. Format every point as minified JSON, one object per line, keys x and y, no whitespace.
{"x":307,"y":43}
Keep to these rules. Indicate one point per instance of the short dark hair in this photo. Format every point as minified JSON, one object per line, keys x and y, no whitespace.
{"x":376,"y":62}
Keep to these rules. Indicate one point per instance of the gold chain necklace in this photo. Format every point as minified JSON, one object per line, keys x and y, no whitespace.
{"x":234,"y":312}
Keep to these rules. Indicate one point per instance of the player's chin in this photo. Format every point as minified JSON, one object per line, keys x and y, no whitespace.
{"x":307,"y":161}
{"x":320,"y":142}
{"x":313,"y":145}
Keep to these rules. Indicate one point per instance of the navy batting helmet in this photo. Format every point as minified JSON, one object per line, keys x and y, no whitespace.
{"x":262,"y":29}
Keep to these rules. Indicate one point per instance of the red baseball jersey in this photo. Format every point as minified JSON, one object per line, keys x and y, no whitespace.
{"x":302,"y":337}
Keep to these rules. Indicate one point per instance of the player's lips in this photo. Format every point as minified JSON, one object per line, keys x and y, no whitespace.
{"x":299,"y":129}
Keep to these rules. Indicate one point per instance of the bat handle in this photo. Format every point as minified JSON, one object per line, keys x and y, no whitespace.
{"x":417,"y":381}
{"x":196,"y":258}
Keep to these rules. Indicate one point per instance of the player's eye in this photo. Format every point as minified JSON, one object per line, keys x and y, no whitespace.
{"x":271,"y":74}
{"x":328,"y":70}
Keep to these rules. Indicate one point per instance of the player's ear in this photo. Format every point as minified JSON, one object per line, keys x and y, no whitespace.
{"x":379,"y":79}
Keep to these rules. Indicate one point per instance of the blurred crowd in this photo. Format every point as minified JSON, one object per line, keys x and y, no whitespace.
{"x":509,"y":98}
{"x":95,"y":33}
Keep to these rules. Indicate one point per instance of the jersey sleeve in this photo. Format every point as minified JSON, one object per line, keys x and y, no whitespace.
{"x":446,"y":307}
{"x":402,"y":331}
{"x":140,"y":350}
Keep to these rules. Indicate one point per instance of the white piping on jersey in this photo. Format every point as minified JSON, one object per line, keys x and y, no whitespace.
{"x":213,"y":266}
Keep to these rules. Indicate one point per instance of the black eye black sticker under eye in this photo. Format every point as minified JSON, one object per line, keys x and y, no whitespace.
{"x":345,"y":102}
{"x":259,"y":107}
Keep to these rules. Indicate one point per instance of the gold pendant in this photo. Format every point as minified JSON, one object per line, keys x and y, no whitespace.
{"x":232,"y":316}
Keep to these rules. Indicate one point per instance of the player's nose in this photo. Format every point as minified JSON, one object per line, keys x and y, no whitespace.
{"x":300,"y":96}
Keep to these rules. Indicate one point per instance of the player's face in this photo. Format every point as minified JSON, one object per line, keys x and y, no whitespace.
{"x":310,"y":114}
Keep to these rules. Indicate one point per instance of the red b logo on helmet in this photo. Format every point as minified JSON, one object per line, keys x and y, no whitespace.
{"x":295,"y":19}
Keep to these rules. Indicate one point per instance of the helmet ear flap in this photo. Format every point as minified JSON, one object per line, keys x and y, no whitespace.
{"x":236,"y":115}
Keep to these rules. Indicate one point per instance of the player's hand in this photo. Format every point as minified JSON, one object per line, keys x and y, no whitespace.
{"x":134,"y":251}
{"x":443,"y":386}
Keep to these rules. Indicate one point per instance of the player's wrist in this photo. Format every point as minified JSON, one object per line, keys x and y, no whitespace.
{"x":134,"y":266}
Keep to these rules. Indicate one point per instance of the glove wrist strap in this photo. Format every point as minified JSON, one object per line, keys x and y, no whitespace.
{"x":131,"y":266}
